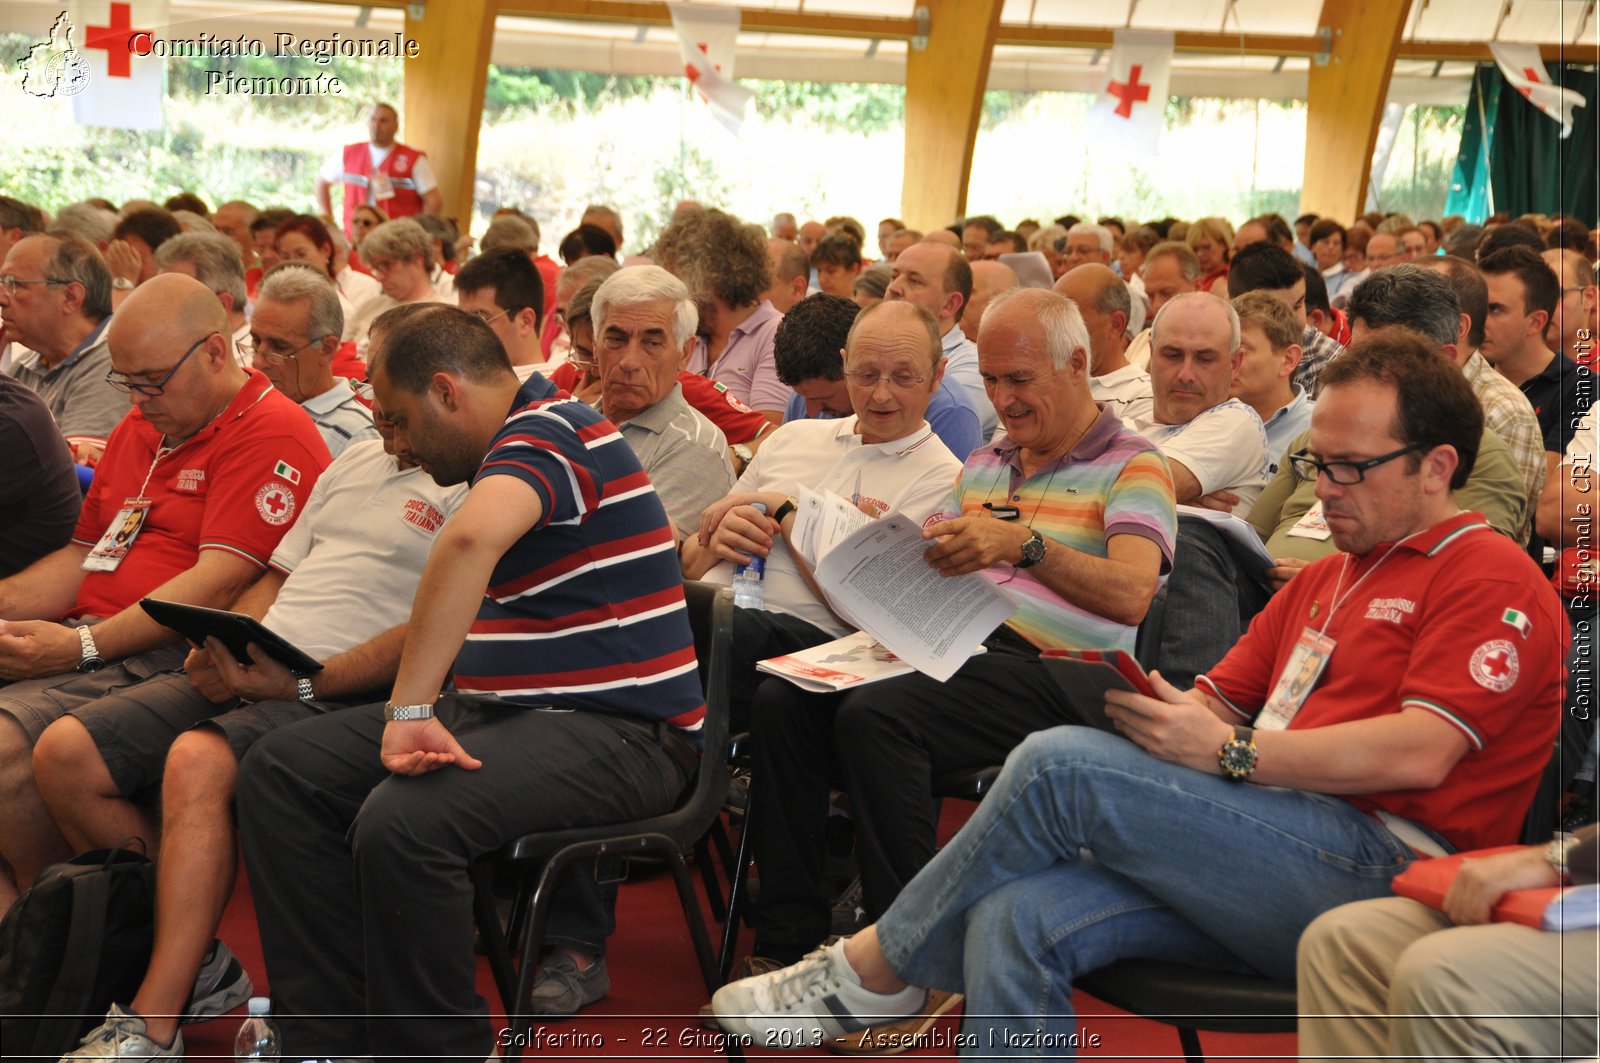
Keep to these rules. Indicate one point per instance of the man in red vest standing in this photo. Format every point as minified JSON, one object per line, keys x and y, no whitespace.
{"x":392,"y":176}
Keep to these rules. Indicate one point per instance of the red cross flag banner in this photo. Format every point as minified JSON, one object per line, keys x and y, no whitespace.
{"x":1523,"y":67}
{"x":706,"y":39}
{"x":1131,"y":111}
{"x":126,"y":84}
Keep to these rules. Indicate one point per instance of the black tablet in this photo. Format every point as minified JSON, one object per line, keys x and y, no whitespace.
{"x":233,"y":630}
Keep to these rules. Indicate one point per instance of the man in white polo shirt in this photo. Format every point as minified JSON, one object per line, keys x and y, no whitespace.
{"x":339,"y":587}
{"x":885,"y":458}
{"x":1214,"y":443}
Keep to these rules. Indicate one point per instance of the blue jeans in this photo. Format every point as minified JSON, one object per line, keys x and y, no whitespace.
{"x":1187,"y":867}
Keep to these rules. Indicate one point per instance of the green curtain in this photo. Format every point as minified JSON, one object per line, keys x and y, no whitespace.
{"x":1469,"y":184}
{"x":1531,"y":169}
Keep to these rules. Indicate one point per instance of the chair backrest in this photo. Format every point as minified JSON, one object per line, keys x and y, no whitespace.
{"x":711,"y":616}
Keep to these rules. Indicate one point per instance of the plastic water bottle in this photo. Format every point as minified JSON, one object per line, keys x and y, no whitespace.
{"x":747,"y":590}
{"x":258,"y":1038}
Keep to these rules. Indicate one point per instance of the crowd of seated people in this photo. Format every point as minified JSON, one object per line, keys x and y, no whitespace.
{"x":470,"y":480}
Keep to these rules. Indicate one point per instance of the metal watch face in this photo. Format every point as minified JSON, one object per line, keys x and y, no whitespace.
{"x":1032,"y":551}
{"x":91,"y":664}
{"x":1238,"y":757}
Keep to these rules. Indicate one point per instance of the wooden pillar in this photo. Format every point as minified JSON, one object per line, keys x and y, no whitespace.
{"x":1344,"y":103}
{"x":444,"y":93}
{"x":944,"y":99}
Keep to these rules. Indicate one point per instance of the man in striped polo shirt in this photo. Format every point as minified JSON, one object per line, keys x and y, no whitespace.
{"x":1073,"y":513}
{"x":554,"y":597}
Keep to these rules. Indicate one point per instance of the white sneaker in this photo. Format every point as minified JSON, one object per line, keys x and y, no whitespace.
{"x":808,"y":1003}
{"x":122,"y":1036}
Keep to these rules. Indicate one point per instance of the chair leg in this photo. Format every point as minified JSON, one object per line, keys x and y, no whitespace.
{"x":495,"y":942}
{"x":519,"y":1013}
{"x":708,"y":875}
{"x":1189,"y":1038}
{"x":737,"y":888}
{"x":697,"y":923}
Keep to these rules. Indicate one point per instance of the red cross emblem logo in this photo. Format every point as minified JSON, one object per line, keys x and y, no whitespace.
{"x":693,"y":72}
{"x":1495,"y":665}
{"x":1130,"y":93}
{"x":275,"y":503}
{"x":117,"y":40}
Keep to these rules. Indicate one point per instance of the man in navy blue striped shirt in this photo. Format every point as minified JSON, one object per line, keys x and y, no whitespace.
{"x":554,"y":596}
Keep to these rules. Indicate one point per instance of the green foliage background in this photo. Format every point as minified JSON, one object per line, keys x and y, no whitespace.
{"x":267,"y":149}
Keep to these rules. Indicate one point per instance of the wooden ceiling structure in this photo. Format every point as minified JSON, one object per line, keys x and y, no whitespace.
{"x":1348,"y":49}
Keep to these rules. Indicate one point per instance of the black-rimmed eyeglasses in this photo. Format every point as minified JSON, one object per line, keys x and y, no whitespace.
{"x":1343,"y":473}
{"x":122,"y":383}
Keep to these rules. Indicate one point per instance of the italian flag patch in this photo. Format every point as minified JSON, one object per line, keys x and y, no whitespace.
{"x":1517,"y":620}
{"x":287,"y":471}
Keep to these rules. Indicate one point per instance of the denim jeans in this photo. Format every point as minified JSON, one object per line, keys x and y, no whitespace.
{"x":1186,"y":866}
{"x":1210,"y":603}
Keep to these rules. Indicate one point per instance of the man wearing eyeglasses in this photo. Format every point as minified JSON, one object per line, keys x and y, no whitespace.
{"x":294,"y":334}
{"x":1426,"y":660}
{"x":200,"y":481}
{"x":505,"y":291}
{"x":339,"y":586}
{"x":1073,"y":512}
{"x":55,"y":299}
{"x":884,"y":457}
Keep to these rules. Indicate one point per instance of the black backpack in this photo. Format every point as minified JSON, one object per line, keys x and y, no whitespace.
{"x":74,"y":943}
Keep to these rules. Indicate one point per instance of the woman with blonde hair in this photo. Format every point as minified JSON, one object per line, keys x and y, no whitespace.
{"x":1211,"y":240}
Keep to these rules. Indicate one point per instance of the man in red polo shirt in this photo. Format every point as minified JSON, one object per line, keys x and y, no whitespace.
{"x":197,"y":485}
{"x":394,"y":177}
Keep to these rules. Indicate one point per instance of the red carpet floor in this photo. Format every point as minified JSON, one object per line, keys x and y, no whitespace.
{"x":657,"y":989}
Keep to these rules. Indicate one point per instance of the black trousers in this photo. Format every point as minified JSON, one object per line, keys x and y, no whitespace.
{"x":360,"y":877}
{"x":884,"y":743}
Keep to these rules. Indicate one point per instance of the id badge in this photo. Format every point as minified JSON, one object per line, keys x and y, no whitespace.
{"x":380,"y":187}
{"x":120,"y":534}
{"x":1313,"y":525}
{"x":1306,"y":662}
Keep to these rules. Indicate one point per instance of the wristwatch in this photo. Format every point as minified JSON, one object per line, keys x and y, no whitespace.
{"x":404,"y":713}
{"x":302,"y":688}
{"x":742,"y":452}
{"x":1032,"y":550}
{"x":784,"y":510}
{"x":1238,"y":754}
{"x":91,"y":661}
{"x":122,"y":284}
{"x":1555,"y":853}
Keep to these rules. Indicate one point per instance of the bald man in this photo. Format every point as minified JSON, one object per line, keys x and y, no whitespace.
{"x":989,"y":279}
{"x":1106,"y":303}
{"x":198,"y":483}
{"x":938,"y":278}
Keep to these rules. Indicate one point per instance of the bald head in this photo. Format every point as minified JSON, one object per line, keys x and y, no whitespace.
{"x":173,"y":302}
{"x":1103,"y":300}
{"x":943,"y":236}
{"x":173,"y":333}
{"x":989,"y":279}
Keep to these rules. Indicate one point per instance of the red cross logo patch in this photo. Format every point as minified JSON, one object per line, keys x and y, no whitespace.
{"x":1494,"y":666}
{"x":275,"y":503}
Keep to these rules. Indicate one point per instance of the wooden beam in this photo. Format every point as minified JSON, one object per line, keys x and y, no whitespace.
{"x":944,"y":99}
{"x":1344,"y":103}
{"x":444,"y":94}
{"x":653,"y":13}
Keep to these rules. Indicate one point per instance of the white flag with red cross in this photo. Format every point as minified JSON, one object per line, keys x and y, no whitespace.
{"x":706,"y":40}
{"x":126,"y":83}
{"x":1131,"y":110}
{"x":1524,"y":68}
